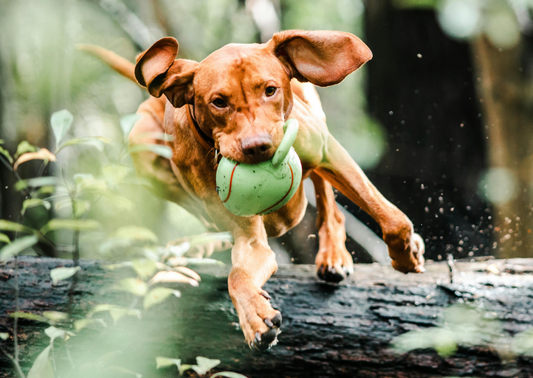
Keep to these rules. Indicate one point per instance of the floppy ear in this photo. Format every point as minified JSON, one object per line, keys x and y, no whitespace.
{"x":321,"y":57}
{"x":160,"y":72}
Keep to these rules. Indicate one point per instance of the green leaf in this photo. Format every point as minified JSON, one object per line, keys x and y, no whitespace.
{"x":34,"y":202}
{"x":127,"y":122}
{"x":135,"y":233}
{"x":203,"y":261}
{"x":61,"y":122}
{"x":36,"y":182}
{"x":59,"y":274}
{"x":155,"y":135}
{"x":70,"y":224}
{"x":16,"y":247}
{"x":4,"y":336}
{"x":144,"y":268}
{"x":6,"y":153}
{"x":16,"y":227}
{"x":4,"y":238}
{"x":162,"y":362}
{"x":44,"y":190}
{"x":82,"y":323}
{"x":24,"y":147}
{"x":158,"y":295}
{"x":228,"y":374}
{"x":86,"y":182}
{"x":158,"y":149}
{"x":42,"y":368}
{"x":210,"y":237}
{"x":55,"y":333}
{"x":114,"y":174}
{"x":80,"y":207}
{"x":29,"y":316}
{"x":116,"y":312}
{"x":132,"y":285}
{"x":96,"y":141}
{"x":55,"y":316}
{"x":204,"y":365}
{"x":117,"y":266}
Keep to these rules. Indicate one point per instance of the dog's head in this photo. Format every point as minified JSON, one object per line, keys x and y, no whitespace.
{"x":241,"y":94}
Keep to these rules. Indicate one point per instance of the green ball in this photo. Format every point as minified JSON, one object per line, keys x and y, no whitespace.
{"x":259,"y":189}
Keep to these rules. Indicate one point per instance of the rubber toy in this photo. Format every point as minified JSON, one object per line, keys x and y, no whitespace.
{"x":259,"y":189}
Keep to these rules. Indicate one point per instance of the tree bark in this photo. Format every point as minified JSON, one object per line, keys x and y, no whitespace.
{"x":504,"y":87}
{"x":328,"y":330}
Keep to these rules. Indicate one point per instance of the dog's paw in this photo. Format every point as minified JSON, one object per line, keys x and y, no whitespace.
{"x":414,"y":257}
{"x":259,"y":322}
{"x":334,"y":264}
{"x":265,"y":341}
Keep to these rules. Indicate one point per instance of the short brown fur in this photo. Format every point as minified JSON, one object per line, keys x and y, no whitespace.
{"x":238,"y":76}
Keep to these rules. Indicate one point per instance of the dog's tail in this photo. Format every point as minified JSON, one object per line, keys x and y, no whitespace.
{"x":116,"y":62}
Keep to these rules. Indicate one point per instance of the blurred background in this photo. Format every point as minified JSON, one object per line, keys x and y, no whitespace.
{"x":440,"y":119}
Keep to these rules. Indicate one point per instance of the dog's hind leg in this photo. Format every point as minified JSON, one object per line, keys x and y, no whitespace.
{"x":333,"y":261}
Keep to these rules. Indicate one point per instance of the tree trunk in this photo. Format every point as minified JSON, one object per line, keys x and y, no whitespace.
{"x":328,"y":330}
{"x":504,"y":87}
{"x":421,"y":90}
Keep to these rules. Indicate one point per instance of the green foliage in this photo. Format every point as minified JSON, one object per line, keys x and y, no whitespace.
{"x":4,"y":238}
{"x":17,"y":247}
{"x":24,"y":147}
{"x":158,"y":295}
{"x":203,"y":365}
{"x":6,"y":154}
{"x":42,"y":367}
{"x":36,"y":182}
{"x":461,"y":325}
{"x":228,"y":374}
{"x":158,"y":149}
{"x":127,"y":122}
{"x":34,"y":202}
{"x":95,"y":141}
{"x":70,"y":224}
{"x":61,"y":122}
{"x":60,"y":274}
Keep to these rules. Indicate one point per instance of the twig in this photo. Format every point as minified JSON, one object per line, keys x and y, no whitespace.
{"x":75,"y":257}
{"x":451,"y":266}
{"x":14,"y":362}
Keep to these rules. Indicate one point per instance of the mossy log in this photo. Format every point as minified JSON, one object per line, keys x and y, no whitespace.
{"x":329,"y":330}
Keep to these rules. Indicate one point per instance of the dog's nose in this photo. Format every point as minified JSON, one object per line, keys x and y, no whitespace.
{"x":257,"y":145}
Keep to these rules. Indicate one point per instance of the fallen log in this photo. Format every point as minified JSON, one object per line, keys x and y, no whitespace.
{"x":329,"y":330}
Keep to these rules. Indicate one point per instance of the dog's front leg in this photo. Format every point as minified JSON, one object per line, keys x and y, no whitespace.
{"x":405,"y":247}
{"x":253,"y":264}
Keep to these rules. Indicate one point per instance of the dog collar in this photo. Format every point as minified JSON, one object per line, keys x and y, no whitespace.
{"x":201,"y":137}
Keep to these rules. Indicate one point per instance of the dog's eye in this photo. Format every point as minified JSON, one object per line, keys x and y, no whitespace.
{"x":270,"y":91}
{"x":219,"y":103}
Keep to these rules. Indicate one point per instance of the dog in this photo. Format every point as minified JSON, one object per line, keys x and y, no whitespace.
{"x":235,"y":103}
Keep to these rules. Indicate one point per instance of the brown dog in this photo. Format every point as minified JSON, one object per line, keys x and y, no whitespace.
{"x":236,"y":101}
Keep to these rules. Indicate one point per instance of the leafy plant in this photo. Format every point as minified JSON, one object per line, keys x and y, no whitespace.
{"x":150,"y":264}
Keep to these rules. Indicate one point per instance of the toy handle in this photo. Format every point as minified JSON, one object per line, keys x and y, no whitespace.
{"x":291,"y":130}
